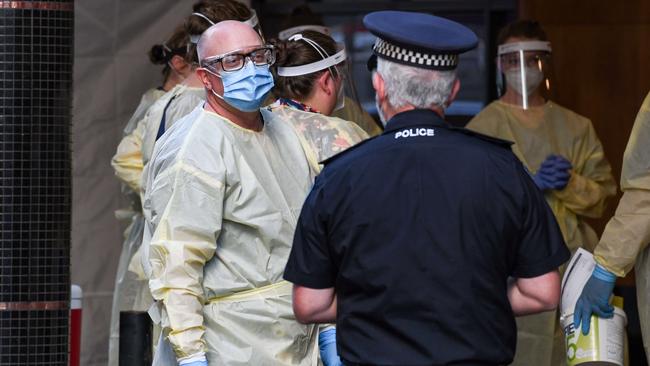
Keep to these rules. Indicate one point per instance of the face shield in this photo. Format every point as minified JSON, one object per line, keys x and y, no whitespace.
{"x":254,"y":22}
{"x":336,"y":64}
{"x":524,"y":72}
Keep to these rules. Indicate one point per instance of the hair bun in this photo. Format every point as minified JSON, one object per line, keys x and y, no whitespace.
{"x":157,"y":55}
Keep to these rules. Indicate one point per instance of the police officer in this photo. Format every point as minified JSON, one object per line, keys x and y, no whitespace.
{"x":430,"y":266}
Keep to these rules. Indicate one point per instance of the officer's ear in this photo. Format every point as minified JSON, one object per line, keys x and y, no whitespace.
{"x":454,"y":92}
{"x":379,"y":85}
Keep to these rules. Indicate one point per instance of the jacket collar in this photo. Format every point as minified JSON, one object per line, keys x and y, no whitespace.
{"x":414,"y":117}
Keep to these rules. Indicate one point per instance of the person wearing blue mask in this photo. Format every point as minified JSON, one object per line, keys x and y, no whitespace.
{"x":223,"y":191}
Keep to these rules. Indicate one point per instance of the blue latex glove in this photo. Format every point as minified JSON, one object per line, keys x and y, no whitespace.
{"x":327,"y":345}
{"x":554,"y":173}
{"x":595,"y":298}
{"x":196,"y":363}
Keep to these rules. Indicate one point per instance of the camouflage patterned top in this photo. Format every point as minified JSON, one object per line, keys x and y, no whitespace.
{"x":320,"y":136}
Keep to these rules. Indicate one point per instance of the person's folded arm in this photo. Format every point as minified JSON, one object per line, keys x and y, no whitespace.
{"x":183,"y":241}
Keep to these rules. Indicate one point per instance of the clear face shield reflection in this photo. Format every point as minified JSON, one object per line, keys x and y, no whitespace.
{"x":254,"y":22}
{"x":524,"y":72}
{"x":348,"y":92}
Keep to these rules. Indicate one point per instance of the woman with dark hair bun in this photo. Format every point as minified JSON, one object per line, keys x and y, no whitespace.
{"x":171,"y":54}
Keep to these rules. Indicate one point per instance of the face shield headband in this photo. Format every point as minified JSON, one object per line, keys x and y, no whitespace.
{"x":285,"y":34}
{"x":253,"y":21}
{"x":326,"y":63}
{"x":525,"y":46}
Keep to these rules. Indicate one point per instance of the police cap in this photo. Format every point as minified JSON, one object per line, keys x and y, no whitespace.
{"x":418,"y":39}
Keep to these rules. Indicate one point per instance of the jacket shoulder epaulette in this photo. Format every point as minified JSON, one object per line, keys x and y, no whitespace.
{"x":346,"y":151}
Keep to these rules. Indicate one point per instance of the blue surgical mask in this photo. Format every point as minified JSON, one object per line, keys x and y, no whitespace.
{"x":246,"y":89}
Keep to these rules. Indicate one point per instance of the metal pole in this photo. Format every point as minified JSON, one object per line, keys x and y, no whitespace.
{"x":135,"y":338}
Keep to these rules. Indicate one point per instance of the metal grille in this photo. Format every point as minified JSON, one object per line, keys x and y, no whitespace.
{"x":36,"y":40}
{"x":34,"y":337}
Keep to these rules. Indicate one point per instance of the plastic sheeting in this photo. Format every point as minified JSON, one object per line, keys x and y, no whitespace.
{"x":111,"y":71}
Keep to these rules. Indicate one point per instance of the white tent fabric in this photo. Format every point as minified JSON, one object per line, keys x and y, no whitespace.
{"x":111,"y":72}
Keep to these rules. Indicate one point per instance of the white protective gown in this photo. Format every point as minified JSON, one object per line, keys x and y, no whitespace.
{"x":221,"y":204}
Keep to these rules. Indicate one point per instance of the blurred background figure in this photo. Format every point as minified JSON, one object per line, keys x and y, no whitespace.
{"x":564,"y":155}
{"x":170,"y":55}
{"x":131,"y":290}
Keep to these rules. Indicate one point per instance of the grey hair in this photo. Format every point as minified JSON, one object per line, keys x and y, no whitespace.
{"x":419,"y":87}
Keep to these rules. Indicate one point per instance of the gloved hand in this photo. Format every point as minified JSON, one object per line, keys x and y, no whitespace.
{"x":327,"y":345}
{"x":553,"y":173}
{"x":196,"y":363}
{"x":595,"y":298}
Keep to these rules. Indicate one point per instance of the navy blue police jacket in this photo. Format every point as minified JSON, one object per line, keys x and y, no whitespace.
{"x":418,"y":230}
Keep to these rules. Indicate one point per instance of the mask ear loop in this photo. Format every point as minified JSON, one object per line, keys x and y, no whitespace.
{"x":321,"y":51}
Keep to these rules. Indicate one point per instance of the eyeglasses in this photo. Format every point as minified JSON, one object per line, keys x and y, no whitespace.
{"x":235,"y":60}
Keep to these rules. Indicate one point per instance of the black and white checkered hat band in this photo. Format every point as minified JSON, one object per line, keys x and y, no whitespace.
{"x":415,"y":58}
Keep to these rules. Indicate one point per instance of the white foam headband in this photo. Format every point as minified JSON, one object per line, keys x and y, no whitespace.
{"x":524,"y":46}
{"x":252,"y":21}
{"x":285,"y":34}
{"x":323,"y":64}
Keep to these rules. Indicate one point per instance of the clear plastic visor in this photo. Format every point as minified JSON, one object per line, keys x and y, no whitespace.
{"x":524,"y":73}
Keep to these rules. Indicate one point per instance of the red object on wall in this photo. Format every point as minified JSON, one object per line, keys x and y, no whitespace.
{"x":75,"y":325}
